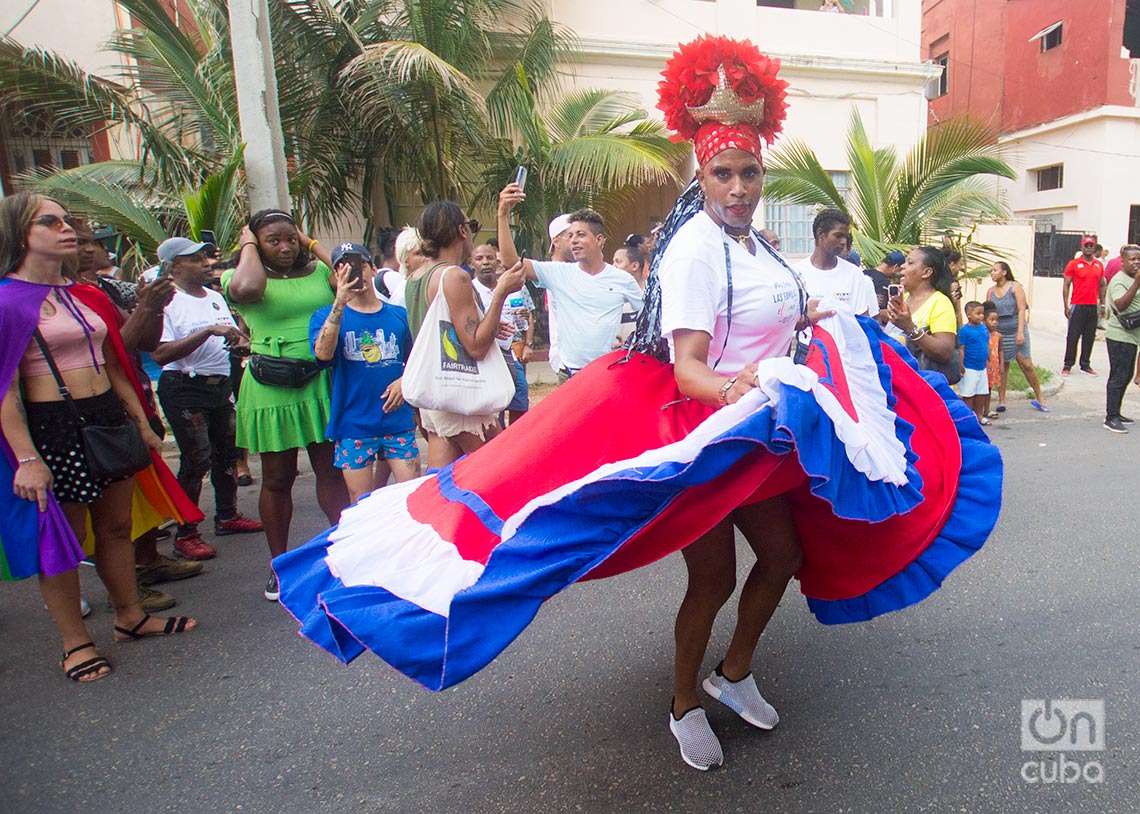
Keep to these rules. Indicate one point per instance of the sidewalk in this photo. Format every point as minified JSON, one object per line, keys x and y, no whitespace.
{"x":1048,"y":349}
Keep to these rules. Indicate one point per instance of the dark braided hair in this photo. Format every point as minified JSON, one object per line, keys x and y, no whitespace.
{"x":647,"y":336}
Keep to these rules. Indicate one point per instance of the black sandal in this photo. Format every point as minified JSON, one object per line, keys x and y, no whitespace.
{"x":174,"y":624}
{"x":85,"y":668}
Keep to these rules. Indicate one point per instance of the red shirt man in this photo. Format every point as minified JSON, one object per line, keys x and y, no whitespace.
{"x":1085,"y":277}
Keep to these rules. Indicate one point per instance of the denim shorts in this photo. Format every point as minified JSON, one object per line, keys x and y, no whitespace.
{"x":358,"y":453}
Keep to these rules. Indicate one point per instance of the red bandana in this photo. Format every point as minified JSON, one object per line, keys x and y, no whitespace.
{"x":714,"y":138}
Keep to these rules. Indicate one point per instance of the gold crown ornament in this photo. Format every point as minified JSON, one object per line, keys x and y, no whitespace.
{"x":725,"y":106}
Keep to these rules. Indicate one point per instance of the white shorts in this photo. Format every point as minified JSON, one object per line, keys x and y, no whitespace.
{"x":973,"y":383}
{"x":449,"y":425}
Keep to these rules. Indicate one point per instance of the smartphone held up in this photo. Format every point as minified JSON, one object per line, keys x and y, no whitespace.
{"x":520,"y":177}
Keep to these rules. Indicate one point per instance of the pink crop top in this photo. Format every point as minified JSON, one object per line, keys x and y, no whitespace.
{"x":74,"y":334}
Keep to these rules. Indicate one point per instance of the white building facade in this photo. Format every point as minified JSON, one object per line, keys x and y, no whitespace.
{"x":1080,"y":173}
{"x":867,"y":60}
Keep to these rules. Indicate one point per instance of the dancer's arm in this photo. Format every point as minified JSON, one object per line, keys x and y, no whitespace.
{"x":697,"y":380}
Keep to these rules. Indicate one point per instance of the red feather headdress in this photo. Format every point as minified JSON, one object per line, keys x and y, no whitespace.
{"x":722,"y":93}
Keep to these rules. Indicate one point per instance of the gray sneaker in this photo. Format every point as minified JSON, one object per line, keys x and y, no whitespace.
{"x":742,"y":697}
{"x":699,"y":745}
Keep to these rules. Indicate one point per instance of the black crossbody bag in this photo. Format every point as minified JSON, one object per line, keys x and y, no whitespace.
{"x":112,"y":453}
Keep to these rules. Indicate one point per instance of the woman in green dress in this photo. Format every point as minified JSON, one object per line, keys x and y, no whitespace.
{"x":284,"y":405}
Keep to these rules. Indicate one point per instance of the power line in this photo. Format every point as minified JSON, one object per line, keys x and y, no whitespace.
{"x":27,"y":11}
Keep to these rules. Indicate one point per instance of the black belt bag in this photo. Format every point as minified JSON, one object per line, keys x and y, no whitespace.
{"x":278,"y":371}
{"x":112,"y":453}
{"x":1129,"y":321}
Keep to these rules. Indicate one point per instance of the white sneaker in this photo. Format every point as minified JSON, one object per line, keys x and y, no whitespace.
{"x":699,"y":745}
{"x":742,"y":697}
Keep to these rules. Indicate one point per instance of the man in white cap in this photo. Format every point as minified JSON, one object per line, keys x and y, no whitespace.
{"x":559,"y":230}
{"x":589,"y":293}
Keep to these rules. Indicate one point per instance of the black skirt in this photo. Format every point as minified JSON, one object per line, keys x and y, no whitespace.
{"x":55,"y":432}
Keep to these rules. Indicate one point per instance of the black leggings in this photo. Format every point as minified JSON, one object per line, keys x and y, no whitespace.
{"x":1121,"y":366}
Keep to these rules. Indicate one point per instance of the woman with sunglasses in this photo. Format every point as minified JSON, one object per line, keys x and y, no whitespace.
{"x":281,"y":278}
{"x":49,"y":490}
{"x":446,"y":242}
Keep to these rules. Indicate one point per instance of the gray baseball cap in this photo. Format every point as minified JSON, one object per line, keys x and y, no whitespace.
{"x":179,"y":247}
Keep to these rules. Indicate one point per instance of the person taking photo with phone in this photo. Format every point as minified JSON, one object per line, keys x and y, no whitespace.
{"x":366,"y":341}
{"x":588,"y":293}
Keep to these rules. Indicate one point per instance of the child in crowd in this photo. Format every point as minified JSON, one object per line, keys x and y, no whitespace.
{"x":994,"y":363}
{"x":974,"y":339}
{"x":366,"y":342}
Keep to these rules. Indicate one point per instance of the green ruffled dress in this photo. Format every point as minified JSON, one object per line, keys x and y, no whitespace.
{"x":274,"y":419}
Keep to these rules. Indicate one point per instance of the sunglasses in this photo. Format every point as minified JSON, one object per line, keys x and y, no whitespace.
{"x":56,"y":222}
{"x":473,"y":225}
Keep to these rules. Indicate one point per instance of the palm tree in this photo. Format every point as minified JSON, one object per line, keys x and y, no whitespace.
{"x":392,"y":99}
{"x":590,"y":147}
{"x":938,"y":186}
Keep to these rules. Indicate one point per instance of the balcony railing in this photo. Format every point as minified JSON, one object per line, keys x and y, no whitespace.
{"x":863,"y":8}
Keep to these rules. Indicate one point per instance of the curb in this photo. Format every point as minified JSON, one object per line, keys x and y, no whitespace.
{"x":1047,"y":391}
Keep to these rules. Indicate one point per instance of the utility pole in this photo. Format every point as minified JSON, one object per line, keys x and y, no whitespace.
{"x":260,"y":118}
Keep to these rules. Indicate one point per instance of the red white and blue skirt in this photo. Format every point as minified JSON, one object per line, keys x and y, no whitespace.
{"x":891,"y":480}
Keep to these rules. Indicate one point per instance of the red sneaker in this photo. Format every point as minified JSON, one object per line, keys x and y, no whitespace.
{"x":194,"y":548}
{"x":1089,"y":371}
{"x":237,"y":525}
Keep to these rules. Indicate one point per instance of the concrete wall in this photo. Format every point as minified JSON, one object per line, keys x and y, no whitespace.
{"x":77,"y":31}
{"x":972,"y":32}
{"x":1100,"y":151}
{"x":834,"y":63}
{"x":1080,"y":68}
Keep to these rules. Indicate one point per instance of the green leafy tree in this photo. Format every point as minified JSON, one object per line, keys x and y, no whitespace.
{"x":590,"y":147}
{"x":938,"y":186}
{"x":400,"y":100}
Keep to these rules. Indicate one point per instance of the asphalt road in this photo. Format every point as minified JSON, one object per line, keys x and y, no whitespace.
{"x":916,"y":711}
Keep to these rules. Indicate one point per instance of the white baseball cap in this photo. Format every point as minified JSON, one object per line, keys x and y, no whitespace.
{"x":559,"y":225}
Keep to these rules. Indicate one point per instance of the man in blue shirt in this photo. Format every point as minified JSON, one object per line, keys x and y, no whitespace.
{"x":367,"y":342}
{"x":974,"y":345}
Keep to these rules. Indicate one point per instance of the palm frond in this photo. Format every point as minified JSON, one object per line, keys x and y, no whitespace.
{"x":106,"y":203}
{"x":42,"y":82}
{"x":872,"y":177}
{"x":795,"y":175}
{"x":947,"y":155}
{"x":611,"y":161}
{"x":216,"y":204}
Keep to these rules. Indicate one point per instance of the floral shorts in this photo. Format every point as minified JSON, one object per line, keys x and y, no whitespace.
{"x":358,"y":453}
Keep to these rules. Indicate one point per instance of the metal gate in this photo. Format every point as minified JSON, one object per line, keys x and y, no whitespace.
{"x":1053,"y":250}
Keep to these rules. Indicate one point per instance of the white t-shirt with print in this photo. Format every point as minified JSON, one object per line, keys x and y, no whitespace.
{"x":188,"y":314}
{"x":846,"y":283}
{"x":694,"y":296}
{"x":588,"y":308}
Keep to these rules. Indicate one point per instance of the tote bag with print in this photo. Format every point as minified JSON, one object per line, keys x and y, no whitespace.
{"x":442,"y":375}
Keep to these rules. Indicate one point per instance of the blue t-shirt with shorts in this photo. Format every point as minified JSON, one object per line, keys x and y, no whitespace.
{"x":370,"y":354}
{"x":975,"y":342}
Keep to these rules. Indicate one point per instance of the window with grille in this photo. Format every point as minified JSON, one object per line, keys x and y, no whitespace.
{"x":792,"y":222}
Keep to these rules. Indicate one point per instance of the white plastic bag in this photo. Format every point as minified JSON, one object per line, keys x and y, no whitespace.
{"x":441,"y":375}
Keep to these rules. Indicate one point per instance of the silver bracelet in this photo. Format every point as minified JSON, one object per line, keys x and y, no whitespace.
{"x":28,"y":460}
